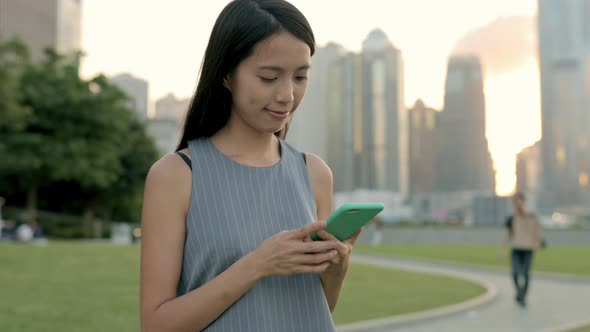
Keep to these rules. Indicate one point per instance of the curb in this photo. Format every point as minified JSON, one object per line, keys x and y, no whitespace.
{"x":406,"y":319}
{"x":568,"y":327}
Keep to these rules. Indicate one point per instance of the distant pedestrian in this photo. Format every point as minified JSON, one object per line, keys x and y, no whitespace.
{"x":523,"y":235}
{"x":377,"y":233}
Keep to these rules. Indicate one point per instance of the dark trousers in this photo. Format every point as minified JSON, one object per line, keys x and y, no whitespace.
{"x":521,"y":266}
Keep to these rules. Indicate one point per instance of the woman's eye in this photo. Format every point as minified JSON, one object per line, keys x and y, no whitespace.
{"x":301,"y":78}
{"x":267,"y":79}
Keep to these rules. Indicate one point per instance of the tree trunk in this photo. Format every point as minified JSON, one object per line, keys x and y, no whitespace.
{"x":87,"y":222}
{"x":97,"y":228}
{"x":32,"y":201}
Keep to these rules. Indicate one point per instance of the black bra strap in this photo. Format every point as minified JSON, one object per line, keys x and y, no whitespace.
{"x":186,"y":159}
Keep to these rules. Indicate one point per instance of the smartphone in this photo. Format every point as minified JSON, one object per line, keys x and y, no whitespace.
{"x":349,"y":218}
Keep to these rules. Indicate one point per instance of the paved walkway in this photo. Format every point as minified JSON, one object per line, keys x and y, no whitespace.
{"x":553,"y":302}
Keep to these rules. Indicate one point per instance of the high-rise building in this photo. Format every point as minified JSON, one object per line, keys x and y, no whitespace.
{"x":528,"y":169}
{"x":564,"y":53}
{"x":308,"y":126}
{"x":137,"y":90}
{"x":344,"y":109}
{"x":42,"y":23}
{"x":164,"y":132}
{"x":170,"y":107}
{"x":463,"y":159}
{"x":385,"y":131}
{"x":422,"y":123}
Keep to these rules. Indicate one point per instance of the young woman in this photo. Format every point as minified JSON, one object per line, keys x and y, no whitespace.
{"x":227,"y":219}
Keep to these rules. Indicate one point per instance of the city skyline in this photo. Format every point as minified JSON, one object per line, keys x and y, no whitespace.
{"x":564,"y":51}
{"x":165,"y":45}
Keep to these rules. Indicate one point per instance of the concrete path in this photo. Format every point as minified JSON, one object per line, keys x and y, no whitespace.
{"x":554,"y":303}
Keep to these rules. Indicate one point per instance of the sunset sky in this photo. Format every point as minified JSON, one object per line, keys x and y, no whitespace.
{"x":163,"y":42}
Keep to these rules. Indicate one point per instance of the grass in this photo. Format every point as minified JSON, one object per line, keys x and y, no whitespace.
{"x":66,"y":287}
{"x":570,"y":260}
{"x":582,"y":329}
{"x":87,"y":287}
{"x":373,"y":292}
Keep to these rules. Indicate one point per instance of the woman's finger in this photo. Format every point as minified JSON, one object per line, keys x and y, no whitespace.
{"x":354,"y":237}
{"x":341,"y":247}
{"x":313,"y":247}
{"x":326,"y":236}
{"x":314,"y":259}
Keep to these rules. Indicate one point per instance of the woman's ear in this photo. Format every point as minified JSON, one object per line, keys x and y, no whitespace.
{"x":226,"y":83}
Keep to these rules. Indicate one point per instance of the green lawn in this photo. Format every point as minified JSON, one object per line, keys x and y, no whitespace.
{"x":582,"y":329}
{"x":95,"y":287}
{"x":564,"y":260}
{"x":69,"y":287}
{"x":374,"y":292}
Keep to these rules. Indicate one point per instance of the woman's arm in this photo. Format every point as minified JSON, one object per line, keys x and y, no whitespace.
{"x":166,"y":201}
{"x":322,"y":185}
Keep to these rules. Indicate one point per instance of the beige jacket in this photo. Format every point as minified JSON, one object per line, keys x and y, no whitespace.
{"x":526,"y":232}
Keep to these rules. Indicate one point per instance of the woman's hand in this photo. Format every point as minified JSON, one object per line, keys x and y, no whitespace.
{"x":339,"y":264}
{"x":289,"y":252}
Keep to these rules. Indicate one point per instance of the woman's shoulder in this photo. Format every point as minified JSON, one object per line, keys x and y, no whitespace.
{"x":170,"y":170}
{"x":167,"y":188}
{"x":289,"y":146}
{"x":319,"y":172}
{"x":313,"y":161}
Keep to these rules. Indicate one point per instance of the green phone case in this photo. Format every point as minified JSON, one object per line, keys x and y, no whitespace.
{"x":349,"y":218}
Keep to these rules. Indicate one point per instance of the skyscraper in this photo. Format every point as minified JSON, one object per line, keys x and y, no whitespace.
{"x":528,"y":169}
{"x":385,"y":136}
{"x":137,"y":90}
{"x":344,"y":109}
{"x":463,"y":158}
{"x":164,"y":132}
{"x":42,"y":23}
{"x":308,"y":127}
{"x":170,"y":107}
{"x":422,"y":153}
{"x":564,"y":57}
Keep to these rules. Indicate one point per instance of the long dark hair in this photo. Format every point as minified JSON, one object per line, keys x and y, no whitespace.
{"x":239,"y":27}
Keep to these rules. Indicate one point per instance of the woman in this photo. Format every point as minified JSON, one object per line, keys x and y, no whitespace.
{"x":226,"y":231}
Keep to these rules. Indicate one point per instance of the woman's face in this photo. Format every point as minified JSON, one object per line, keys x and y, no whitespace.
{"x":268,"y":85}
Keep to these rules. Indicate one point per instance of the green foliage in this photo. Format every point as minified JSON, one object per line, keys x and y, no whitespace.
{"x":68,"y":144}
{"x":13,"y":57}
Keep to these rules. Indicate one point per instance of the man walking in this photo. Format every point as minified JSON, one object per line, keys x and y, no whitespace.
{"x":523,"y":234}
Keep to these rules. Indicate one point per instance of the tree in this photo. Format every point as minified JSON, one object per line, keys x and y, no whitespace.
{"x":75,"y":130}
{"x":63,"y":133}
{"x":123,"y":199}
{"x":13,"y":59}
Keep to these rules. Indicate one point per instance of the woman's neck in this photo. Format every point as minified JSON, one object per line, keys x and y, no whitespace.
{"x":247,"y":146}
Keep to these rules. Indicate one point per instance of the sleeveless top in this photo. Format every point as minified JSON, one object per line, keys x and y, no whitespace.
{"x":233,"y":209}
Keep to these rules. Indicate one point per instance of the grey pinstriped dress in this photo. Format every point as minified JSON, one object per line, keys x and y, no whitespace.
{"x":233,"y":208}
